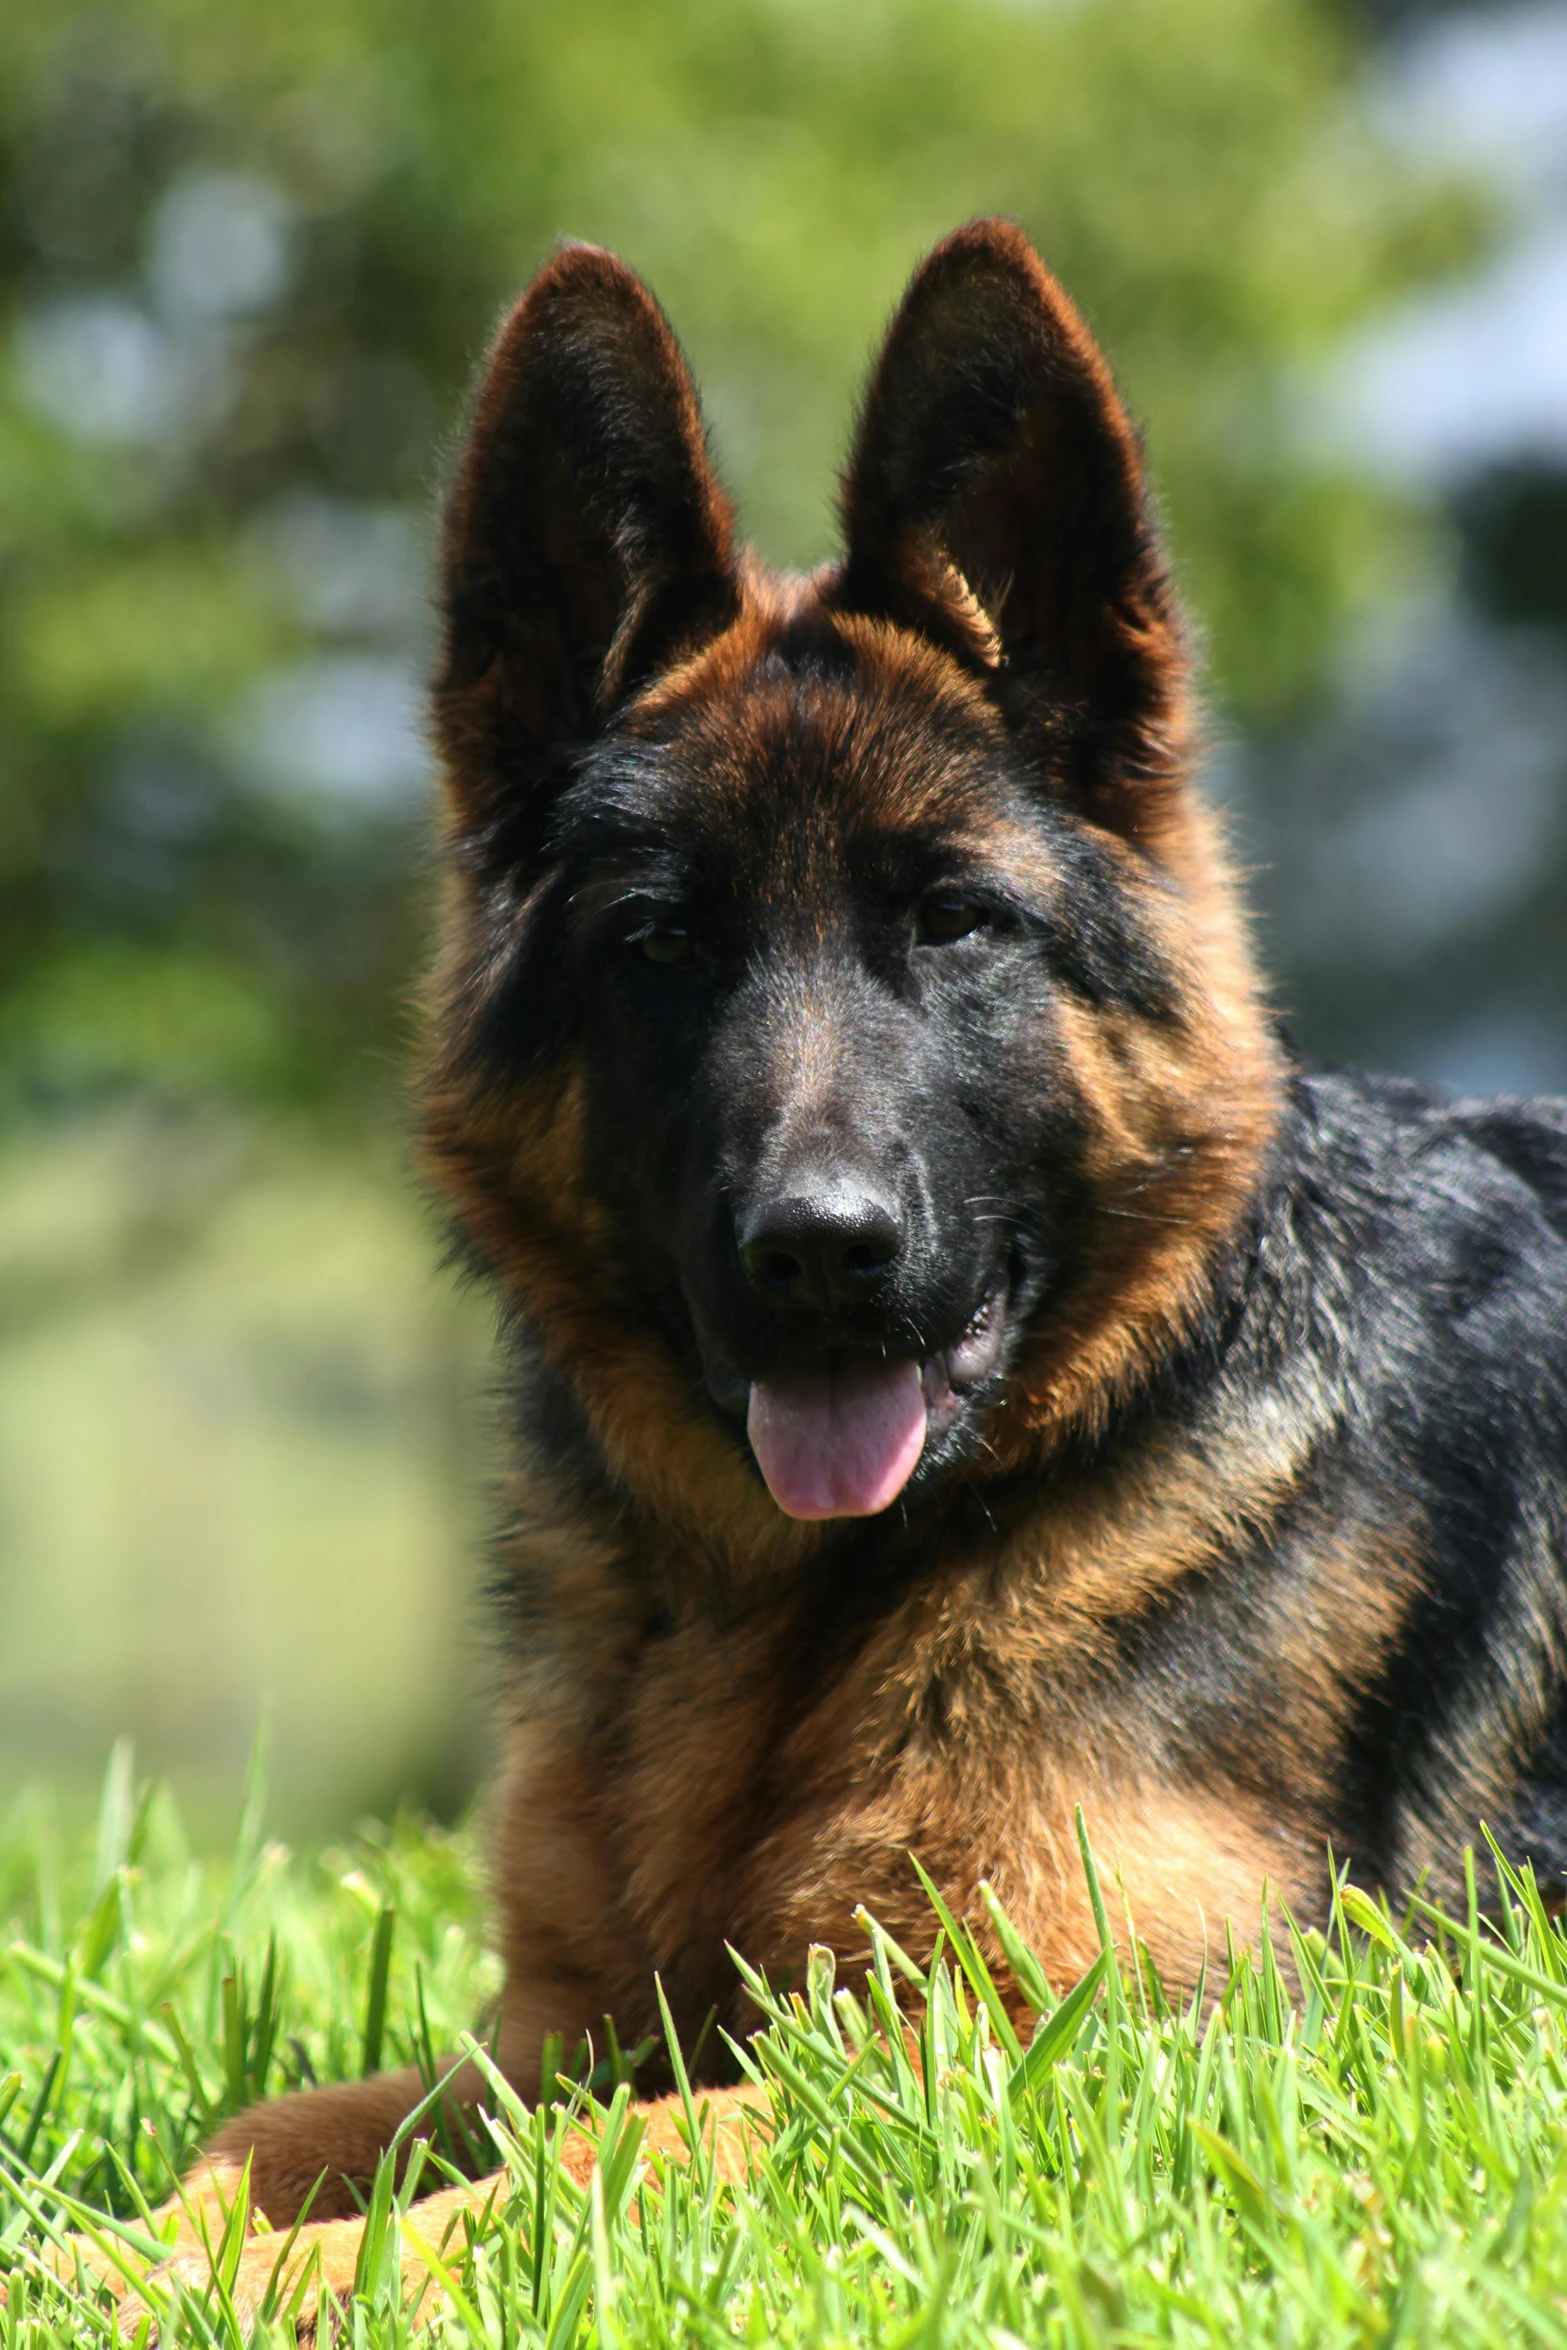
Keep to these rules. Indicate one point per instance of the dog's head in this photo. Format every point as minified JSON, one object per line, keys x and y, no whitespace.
{"x":844,"y":1020}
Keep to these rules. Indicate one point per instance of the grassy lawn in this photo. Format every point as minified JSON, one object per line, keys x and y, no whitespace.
{"x":1386,"y":2162}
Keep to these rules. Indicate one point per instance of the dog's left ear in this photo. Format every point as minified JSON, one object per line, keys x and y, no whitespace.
{"x":995,"y":501}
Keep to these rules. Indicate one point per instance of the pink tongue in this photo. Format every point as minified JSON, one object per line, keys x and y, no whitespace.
{"x":840,"y":1442}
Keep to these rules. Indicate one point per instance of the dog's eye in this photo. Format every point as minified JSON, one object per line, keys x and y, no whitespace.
{"x":946,"y":915}
{"x":667,"y":945}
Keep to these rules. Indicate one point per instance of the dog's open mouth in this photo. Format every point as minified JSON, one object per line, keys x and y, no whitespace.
{"x":842,"y":1438}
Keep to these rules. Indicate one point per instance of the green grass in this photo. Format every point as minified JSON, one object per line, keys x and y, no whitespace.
{"x":1384,"y":2160}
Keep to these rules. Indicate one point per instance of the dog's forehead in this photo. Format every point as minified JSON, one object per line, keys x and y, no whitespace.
{"x":824,"y":727}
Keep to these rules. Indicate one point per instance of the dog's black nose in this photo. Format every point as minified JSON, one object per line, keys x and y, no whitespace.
{"x":824,"y":1247}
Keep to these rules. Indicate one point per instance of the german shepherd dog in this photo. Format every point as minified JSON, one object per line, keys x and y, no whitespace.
{"x":967,"y":1367}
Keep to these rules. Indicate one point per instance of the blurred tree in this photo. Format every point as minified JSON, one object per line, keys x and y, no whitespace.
{"x":249,"y":252}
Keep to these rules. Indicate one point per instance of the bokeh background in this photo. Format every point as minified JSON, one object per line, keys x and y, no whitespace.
{"x":249,"y":253}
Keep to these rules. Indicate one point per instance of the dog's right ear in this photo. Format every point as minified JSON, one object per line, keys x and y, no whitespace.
{"x":587,"y":543}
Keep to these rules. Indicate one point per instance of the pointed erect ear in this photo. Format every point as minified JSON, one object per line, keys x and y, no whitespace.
{"x":587,"y":542}
{"x":995,"y":501}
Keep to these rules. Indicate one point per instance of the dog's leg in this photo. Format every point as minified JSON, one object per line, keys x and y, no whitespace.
{"x":320,"y":2265}
{"x":315,"y":2144}
{"x":317,"y":2150}
{"x":323,"y":2145}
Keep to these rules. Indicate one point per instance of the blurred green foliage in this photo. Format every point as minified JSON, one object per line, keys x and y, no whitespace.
{"x":249,"y":254}
{"x":241,"y":1428}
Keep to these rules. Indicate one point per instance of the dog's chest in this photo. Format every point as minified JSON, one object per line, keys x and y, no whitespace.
{"x":753,"y":1797}
{"x":718,"y":1739}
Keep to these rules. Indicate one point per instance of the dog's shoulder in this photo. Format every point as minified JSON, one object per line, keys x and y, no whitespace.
{"x":1449,"y":1201}
{"x":1527,"y":1141}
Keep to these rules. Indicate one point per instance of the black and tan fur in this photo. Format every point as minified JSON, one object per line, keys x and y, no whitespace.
{"x":1251,"y":1541}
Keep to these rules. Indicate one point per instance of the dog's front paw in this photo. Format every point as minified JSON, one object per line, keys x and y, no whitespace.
{"x":288,"y":2281}
{"x":206,"y":2208}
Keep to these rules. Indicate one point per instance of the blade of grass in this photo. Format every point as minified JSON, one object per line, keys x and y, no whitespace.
{"x":380,"y":1977}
